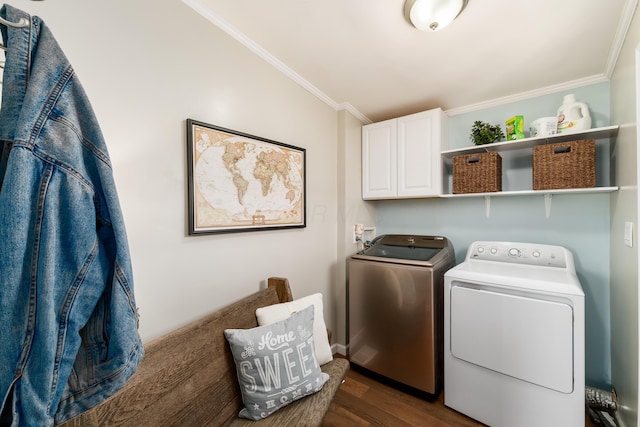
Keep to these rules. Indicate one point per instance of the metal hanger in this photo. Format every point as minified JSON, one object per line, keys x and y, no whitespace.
{"x":23,"y":22}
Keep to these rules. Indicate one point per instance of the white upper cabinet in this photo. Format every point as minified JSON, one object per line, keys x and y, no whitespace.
{"x":379,"y":160}
{"x":401,"y":157}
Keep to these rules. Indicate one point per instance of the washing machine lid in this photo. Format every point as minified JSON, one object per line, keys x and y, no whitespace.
{"x":407,"y":248}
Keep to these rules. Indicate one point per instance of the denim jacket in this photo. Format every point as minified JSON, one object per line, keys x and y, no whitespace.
{"x":68,"y":319}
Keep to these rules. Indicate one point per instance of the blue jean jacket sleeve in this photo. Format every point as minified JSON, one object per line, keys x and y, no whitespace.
{"x":69,"y":319}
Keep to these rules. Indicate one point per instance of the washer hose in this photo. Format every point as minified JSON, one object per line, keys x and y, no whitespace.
{"x":601,"y":400}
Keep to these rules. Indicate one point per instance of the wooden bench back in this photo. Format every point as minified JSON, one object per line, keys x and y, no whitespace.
{"x":188,"y":376}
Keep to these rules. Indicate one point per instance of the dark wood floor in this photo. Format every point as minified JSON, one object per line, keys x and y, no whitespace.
{"x":363,"y":401}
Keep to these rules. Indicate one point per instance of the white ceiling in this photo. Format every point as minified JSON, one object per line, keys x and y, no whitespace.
{"x":364,"y":56}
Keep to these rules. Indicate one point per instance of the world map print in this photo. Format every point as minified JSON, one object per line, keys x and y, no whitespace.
{"x":245,"y":183}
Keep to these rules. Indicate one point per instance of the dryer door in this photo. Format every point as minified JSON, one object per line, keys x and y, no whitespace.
{"x":526,"y":338}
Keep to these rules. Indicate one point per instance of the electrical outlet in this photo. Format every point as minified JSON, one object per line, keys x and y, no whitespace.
{"x":358,"y":233}
{"x":628,"y":234}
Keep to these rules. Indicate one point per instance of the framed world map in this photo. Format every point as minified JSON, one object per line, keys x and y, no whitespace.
{"x":239,"y":182}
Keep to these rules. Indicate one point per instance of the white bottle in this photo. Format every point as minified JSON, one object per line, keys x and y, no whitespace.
{"x":573,"y":116}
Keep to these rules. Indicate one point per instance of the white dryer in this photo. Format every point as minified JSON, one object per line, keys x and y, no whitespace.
{"x":514,"y":336}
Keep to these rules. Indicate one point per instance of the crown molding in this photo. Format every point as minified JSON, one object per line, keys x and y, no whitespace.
{"x":599,"y":78}
{"x":621,"y":33}
{"x":354,"y":112}
{"x":225,"y":26}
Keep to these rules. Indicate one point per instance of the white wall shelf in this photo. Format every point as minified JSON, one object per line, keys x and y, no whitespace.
{"x":520,"y":144}
{"x":527,"y":144}
{"x":534,"y":192}
{"x":547,"y":194}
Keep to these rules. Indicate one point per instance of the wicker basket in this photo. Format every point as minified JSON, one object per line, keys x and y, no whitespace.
{"x":565,"y":165}
{"x":477,"y":173}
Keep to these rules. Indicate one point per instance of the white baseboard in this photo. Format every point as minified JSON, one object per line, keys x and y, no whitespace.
{"x":340,"y":349}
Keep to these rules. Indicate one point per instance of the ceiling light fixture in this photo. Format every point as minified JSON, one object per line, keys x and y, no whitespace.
{"x":433,"y":15}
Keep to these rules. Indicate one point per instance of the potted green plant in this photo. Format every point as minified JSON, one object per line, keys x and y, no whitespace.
{"x":485,"y":133}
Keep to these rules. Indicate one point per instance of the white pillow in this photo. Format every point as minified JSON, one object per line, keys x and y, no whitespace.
{"x":277,"y":312}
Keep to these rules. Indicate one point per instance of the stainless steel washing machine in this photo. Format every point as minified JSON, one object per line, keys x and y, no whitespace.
{"x":396,"y":309}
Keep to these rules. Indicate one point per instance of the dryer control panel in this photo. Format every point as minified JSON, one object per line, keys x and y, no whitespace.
{"x":520,"y":253}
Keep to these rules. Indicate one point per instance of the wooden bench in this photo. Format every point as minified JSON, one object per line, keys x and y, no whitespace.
{"x":188,"y":377}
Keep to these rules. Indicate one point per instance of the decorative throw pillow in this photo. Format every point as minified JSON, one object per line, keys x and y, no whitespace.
{"x":275,"y":364}
{"x":277,"y":312}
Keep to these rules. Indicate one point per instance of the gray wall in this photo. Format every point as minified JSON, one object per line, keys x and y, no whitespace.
{"x":624,"y":207}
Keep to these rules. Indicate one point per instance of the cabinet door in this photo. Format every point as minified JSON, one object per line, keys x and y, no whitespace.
{"x":379,"y":161}
{"x":419,"y":162}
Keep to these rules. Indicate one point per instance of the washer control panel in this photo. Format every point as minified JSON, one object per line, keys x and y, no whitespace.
{"x":519,"y":253}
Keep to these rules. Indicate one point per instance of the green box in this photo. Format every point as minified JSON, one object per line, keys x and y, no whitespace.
{"x":515,"y":128}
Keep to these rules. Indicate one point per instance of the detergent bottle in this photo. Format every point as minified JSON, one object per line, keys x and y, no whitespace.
{"x":573,"y":116}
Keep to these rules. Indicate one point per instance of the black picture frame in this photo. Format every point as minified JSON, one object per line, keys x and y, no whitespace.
{"x":239,"y":182}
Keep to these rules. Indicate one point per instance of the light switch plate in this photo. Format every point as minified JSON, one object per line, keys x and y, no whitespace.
{"x":628,"y":234}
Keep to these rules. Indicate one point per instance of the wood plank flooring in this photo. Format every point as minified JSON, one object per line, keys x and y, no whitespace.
{"x":363,"y":401}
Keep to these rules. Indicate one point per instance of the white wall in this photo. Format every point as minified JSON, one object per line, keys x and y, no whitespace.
{"x":149,"y":65}
{"x":624,"y":207}
{"x":353,"y":210}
